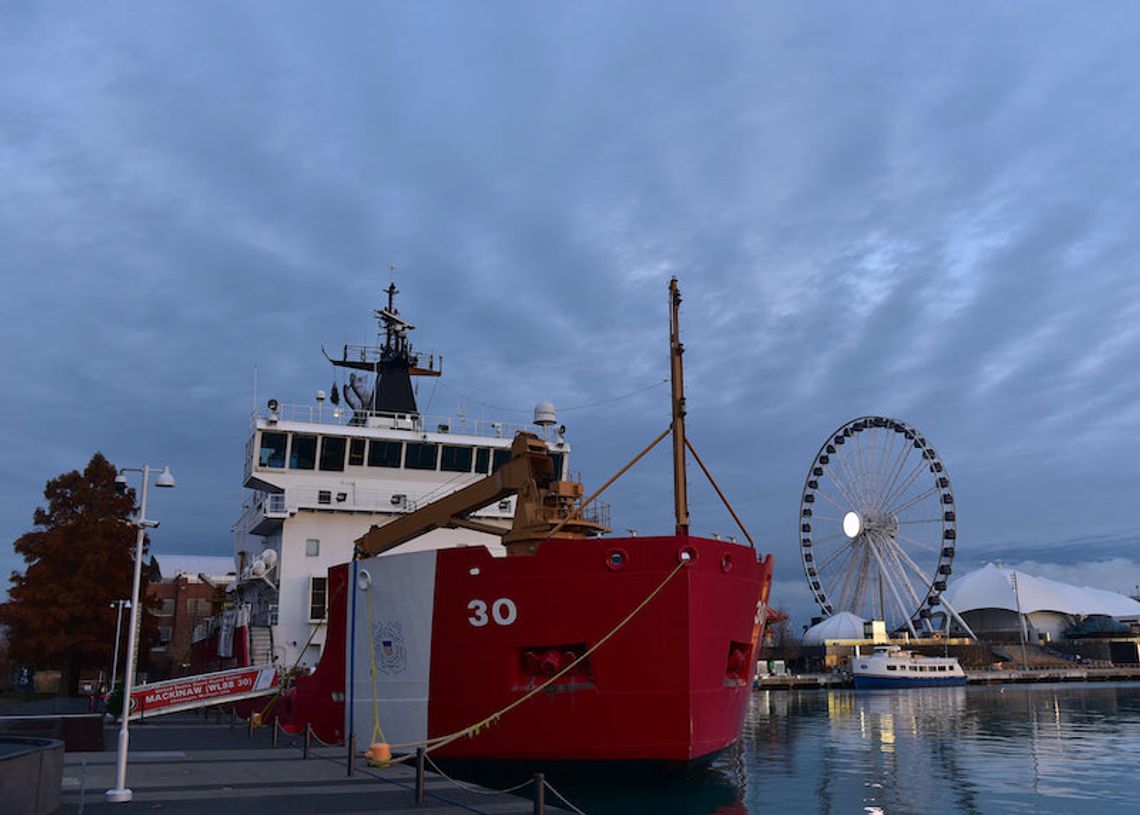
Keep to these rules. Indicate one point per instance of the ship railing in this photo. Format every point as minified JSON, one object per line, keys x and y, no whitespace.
{"x":344,"y":416}
{"x":348,"y":498}
{"x":372,"y":354}
{"x":598,"y":513}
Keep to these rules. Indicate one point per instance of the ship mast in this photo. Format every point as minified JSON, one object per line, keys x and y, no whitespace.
{"x":392,"y":362}
{"x":676,"y":349}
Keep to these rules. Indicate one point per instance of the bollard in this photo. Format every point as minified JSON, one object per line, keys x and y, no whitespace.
{"x":420,"y":775}
{"x":275,"y":728}
{"x":308,"y":738}
{"x":352,"y":755}
{"x":539,"y":794}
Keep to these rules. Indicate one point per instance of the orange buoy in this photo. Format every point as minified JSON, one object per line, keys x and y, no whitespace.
{"x":379,"y":752}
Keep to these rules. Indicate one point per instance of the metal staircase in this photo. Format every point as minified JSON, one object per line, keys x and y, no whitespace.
{"x":261,"y":644}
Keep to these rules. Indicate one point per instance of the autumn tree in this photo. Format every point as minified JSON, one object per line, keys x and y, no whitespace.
{"x":80,"y":559}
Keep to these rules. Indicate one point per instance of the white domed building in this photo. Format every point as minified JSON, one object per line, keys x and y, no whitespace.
{"x":991,"y":598}
{"x":841,"y":626}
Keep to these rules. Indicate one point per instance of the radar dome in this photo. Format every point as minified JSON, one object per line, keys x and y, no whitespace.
{"x":545,"y":415}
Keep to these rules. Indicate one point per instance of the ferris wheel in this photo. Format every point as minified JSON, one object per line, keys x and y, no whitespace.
{"x":878,"y":524}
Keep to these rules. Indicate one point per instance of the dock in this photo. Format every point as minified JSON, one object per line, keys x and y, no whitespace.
{"x":801,"y":681}
{"x":1052,"y":674}
{"x":186,"y":763}
{"x":987,"y":676}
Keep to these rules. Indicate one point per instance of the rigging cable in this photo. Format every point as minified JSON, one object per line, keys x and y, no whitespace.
{"x":607,"y":401}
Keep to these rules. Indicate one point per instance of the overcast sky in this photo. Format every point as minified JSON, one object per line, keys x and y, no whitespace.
{"x":911,"y":210}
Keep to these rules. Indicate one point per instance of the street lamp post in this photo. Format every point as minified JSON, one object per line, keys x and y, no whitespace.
{"x":1021,"y":618}
{"x":118,"y":629}
{"x":120,"y":793}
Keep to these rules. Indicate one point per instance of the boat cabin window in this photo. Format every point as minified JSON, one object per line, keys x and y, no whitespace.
{"x":385,"y":453}
{"x":272,"y":450}
{"x":421,"y":456}
{"x":356,"y":453}
{"x":892,"y":668}
{"x":455,"y":459}
{"x":303,"y":452}
{"x":332,"y":453}
{"x":500,"y":458}
{"x":482,"y":460}
{"x":318,"y":596}
{"x":556,"y":459}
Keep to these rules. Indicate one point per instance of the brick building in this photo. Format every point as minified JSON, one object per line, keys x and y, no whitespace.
{"x":190,"y":589}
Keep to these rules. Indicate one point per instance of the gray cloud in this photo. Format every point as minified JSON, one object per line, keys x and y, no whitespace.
{"x":927,"y":213}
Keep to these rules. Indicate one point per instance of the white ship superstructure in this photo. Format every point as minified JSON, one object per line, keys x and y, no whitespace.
{"x":319,"y":476}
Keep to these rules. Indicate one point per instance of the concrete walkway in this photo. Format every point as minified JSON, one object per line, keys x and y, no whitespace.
{"x":189,"y":764}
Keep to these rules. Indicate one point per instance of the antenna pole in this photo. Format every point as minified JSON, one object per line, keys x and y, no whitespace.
{"x":676,"y":349}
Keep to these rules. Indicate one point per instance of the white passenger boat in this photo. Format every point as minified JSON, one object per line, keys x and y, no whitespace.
{"x":892,"y":667}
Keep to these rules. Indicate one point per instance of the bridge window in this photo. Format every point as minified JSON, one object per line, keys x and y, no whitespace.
{"x":356,"y":453}
{"x":272,"y":450}
{"x":482,"y":460}
{"x":421,"y":456}
{"x":303,"y":453}
{"x":455,"y":459}
{"x":385,"y":453}
{"x":501,"y":457}
{"x":332,"y":453}
{"x":556,"y":459}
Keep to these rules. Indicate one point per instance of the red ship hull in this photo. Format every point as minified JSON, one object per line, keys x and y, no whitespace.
{"x":458,"y":636}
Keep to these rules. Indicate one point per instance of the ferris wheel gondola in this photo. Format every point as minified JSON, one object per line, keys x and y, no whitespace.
{"x":878,"y":524}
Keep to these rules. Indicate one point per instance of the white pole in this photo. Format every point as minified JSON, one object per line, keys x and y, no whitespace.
{"x":120,"y":793}
{"x":118,"y":631}
{"x":1021,"y":619}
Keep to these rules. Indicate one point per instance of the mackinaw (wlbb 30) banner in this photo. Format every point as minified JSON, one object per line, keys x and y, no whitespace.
{"x":190,"y":692}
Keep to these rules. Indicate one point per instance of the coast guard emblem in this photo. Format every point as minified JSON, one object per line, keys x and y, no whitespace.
{"x":391,"y":652}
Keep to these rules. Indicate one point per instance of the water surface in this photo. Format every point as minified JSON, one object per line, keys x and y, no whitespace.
{"x":982,"y":749}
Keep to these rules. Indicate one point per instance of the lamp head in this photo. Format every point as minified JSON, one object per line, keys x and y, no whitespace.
{"x":120,"y":483}
{"x":165,"y":479}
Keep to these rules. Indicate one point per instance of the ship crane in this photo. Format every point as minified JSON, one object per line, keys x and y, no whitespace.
{"x":546,"y":507}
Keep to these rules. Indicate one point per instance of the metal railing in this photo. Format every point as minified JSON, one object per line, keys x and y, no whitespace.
{"x":344,"y":416}
{"x":395,"y":501}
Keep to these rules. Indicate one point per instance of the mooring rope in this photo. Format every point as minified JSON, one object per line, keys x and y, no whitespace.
{"x":488,"y":721}
{"x":376,"y":729}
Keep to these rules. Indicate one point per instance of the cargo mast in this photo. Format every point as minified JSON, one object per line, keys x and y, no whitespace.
{"x":676,"y":349}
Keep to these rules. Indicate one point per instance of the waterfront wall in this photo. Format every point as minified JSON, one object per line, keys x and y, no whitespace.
{"x":31,"y":774}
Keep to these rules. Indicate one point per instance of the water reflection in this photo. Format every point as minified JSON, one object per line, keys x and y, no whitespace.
{"x":1016,"y":749}
{"x":967,"y":750}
